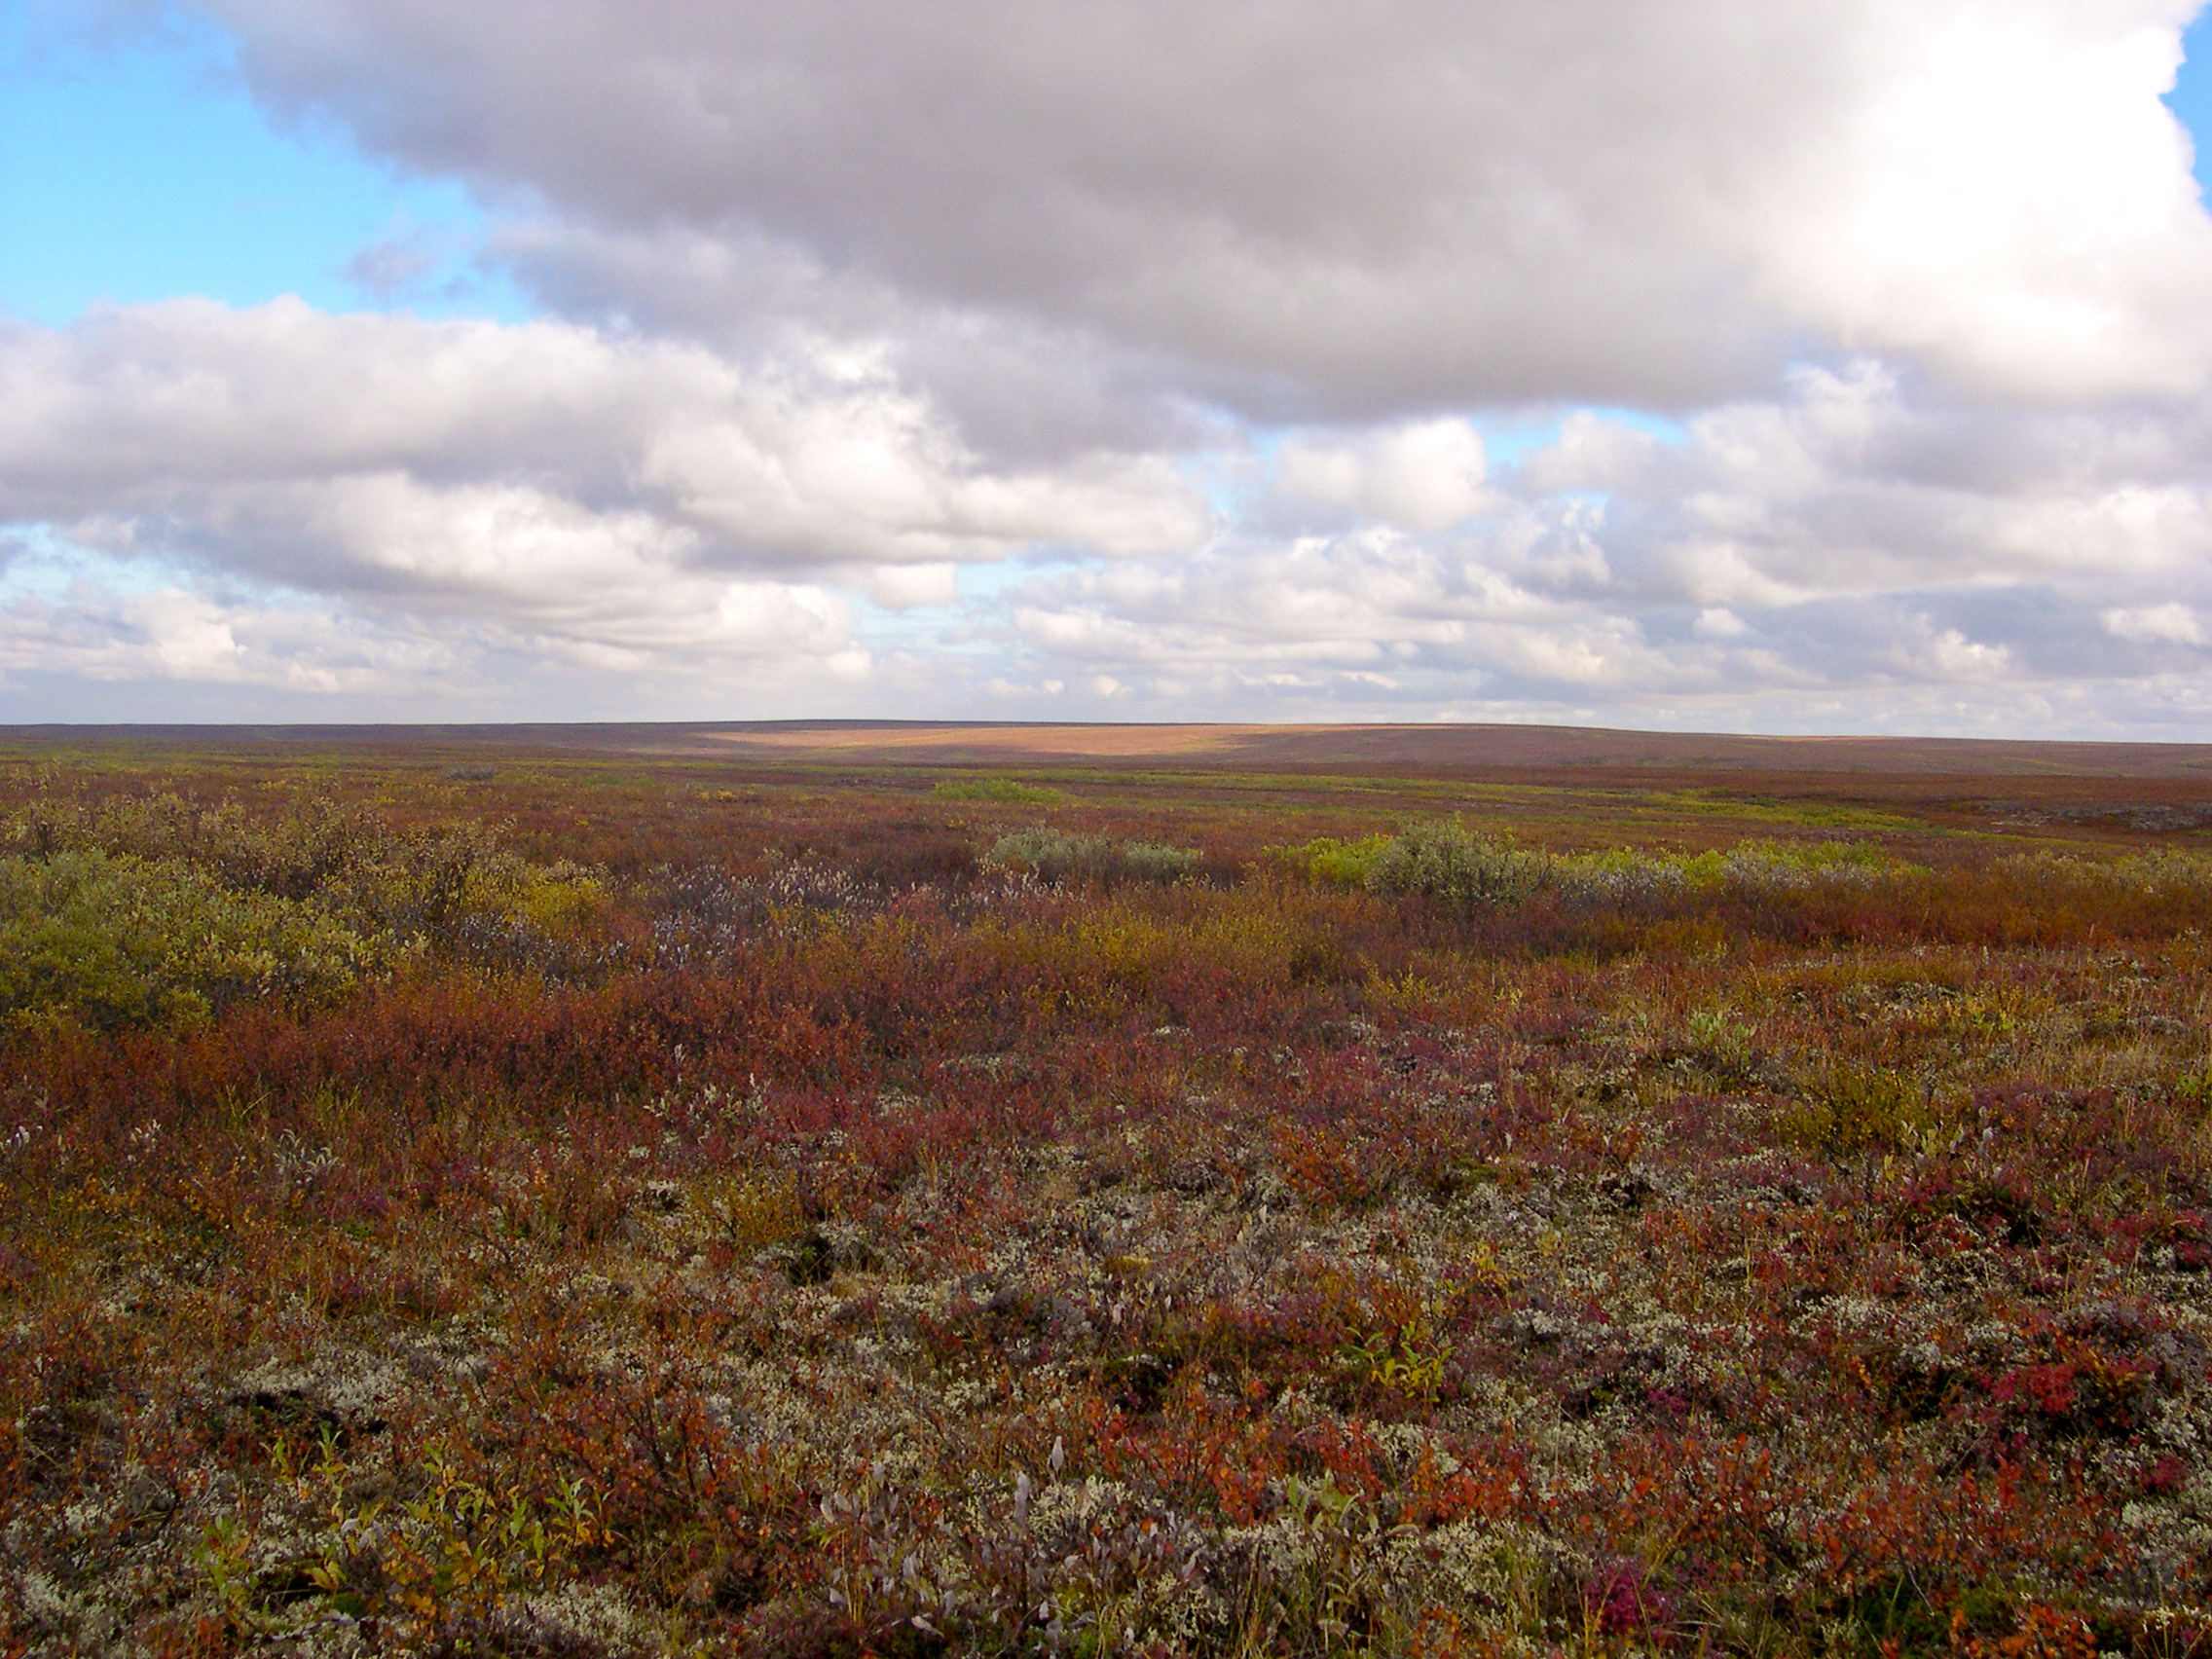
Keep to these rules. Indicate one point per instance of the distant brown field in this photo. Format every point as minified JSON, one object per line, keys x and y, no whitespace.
{"x":1487,"y":751}
{"x":1007,"y":742}
{"x":1493,"y":750}
{"x":1463,"y":748}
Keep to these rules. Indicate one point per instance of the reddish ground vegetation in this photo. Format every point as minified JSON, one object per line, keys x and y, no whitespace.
{"x":530,"y":1201}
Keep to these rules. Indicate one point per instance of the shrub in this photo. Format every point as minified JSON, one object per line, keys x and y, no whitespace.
{"x":123,"y":940}
{"x":154,"y":876}
{"x":1149,"y":860}
{"x":1342,"y":863}
{"x":1053,"y":855}
{"x":1444,"y":863}
{"x":1871,"y":1110}
{"x":1009,"y":792}
{"x":1800,"y":863}
{"x":1624,"y":874}
{"x":1621,"y":876}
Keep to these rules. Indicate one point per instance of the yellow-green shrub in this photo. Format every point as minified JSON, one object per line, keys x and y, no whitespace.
{"x":1010,"y":790}
{"x":118,"y":940}
{"x":1340,"y":863}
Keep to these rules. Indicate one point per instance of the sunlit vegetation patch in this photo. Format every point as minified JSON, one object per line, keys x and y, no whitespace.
{"x":1054,"y":856}
{"x":153,"y":912}
{"x":614,"y":1211}
{"x":1008,"y":791}
{"x":1458,"y":868}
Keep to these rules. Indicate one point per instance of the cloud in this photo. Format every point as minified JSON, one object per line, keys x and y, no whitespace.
{"x":1849,"y":544}
{"x":393,"y":265}
{"x":622,"y":500}
{"x":818,"y":457}
{"x":1186,"y":361}
{"x":1424,"y":476}
{"x":2175,"y":624}
{"x":1405,"y":205}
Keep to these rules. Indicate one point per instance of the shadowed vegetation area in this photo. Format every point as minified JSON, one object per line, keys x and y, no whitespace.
{"x":467,"y":1198}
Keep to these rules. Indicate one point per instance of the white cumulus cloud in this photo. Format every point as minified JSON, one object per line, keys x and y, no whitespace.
{"x":1823,"y":362}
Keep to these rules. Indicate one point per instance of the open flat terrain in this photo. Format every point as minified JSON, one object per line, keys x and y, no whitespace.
{"x":840,"y":1188}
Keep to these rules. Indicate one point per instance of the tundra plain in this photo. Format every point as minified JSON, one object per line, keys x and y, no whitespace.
{"x":861,"y":1189}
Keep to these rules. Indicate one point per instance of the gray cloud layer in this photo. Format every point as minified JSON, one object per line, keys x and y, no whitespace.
{"x":1180,"y":326}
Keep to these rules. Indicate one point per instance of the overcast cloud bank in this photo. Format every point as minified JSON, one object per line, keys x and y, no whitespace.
{"x":1266,"y":360}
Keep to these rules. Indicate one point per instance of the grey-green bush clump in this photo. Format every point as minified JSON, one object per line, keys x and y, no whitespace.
{"x":1150,"y":861}
{"x":1445,"y":862}
{"x":1053,"y":855}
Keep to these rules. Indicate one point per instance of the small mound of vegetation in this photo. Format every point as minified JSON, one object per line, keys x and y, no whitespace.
{"x":1340,"y":863}
{"x":1452,"y":866}
{"x":1441,"y":861}
{"x":1449,"y":865}
{"x":1004,"y":791}
{"x":1053,"y":855}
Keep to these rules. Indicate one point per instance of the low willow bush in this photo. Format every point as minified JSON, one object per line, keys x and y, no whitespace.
{"x":160,"y":912}
{"x":1445,"y":863}
{"x":1009,"y":792}
{"x":1340,"y":863}
{"x":122,"y":941}
{"x":1055,"y":856}
{"x":1450,"y":865}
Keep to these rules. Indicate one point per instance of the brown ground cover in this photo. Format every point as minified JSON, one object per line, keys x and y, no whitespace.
{"x":824,"y":1191}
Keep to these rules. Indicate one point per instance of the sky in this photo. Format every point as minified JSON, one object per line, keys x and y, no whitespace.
{"x":1776,"y":365}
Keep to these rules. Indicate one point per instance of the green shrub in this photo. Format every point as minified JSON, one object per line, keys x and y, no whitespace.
{"x":1869,"y":1110}
{"x":122,"y":941}
{"x":2161,"y":870}
{"x":1340,"y":864}
{"x":1801,"y":863}
{"x":332,"y":870}
{"x":1006,"y":791}
{"x":1623,"y":873}
{"x":1053,"y":855}
{"x":1148,"y":861}
{"x":1621,"y":876}
{"x":1445,"y":863}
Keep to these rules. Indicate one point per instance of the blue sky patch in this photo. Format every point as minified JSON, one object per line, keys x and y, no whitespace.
{"x":2192,"y":96}
{"x":145,"y":171}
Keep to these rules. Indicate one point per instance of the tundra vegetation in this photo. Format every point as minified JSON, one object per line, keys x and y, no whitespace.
{"x":550,"y":1203}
